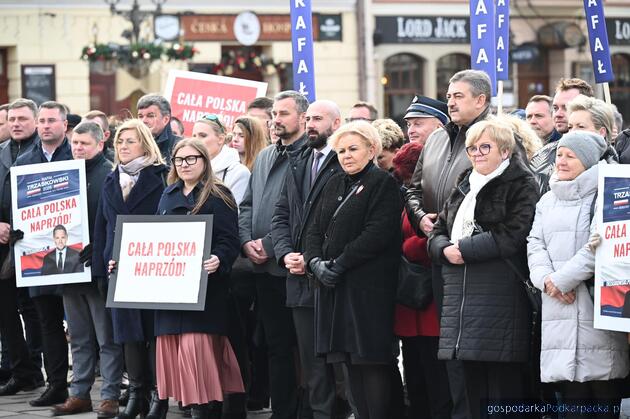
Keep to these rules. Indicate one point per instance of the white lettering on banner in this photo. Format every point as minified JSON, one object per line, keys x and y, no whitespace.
{"x":299,"y":23}
{"x":481,"y":8}
{"x":600,"y":67}
{"x":501,"y":3}
{"x":302,"y":89}
{"x":500,"y":43}
{"x":594,"y":21}
{"x":622,"y":30}
{"x":301,"y":42}
{"x":598,"y":45}
{"x":501,"y":20}
{"x":499,"y":64}
{"x":592,"y":3}
{"x":302,"y":68}
{"x":482,"y":57}
{"x":299,"y":3}
{"x":481,"y":29}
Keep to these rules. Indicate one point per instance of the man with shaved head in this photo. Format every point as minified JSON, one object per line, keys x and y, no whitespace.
{"x":309,"y":171}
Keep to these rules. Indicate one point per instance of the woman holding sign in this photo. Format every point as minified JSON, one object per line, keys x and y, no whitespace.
{"x":133,"y":188}
{"x":195,"y":362}
{"x":583,"y":363}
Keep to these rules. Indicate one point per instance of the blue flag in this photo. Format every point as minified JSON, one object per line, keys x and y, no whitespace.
{"x":302,"y":41}
{"x":482,"y":41}
{"x":503,"y":38}
{"x":598,"y":39}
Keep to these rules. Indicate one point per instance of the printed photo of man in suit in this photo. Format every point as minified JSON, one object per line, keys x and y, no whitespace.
{"x":61,"y":260}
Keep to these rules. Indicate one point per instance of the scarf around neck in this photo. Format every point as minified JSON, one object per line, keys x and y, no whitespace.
{"x":464,"y":223}
{"x":130,"y":172}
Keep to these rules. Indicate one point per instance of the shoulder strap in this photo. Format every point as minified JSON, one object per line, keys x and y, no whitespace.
{"x":593,"y":206}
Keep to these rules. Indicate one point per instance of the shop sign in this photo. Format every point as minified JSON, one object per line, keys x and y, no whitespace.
{"x":330,"y":27}
{"x":423,"y":29}
{"x":525,"y":53}
{"x":618,"y":30}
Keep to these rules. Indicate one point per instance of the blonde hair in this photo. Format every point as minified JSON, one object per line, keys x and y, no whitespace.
{"x":601,"y":113}
{"x":211,"y":185}
{"x":145,"y":137}
{"x":391,"y":134}
{"x":499,"y":131}
{"x":364,"y":130}
{"x":255,"y":136}
{"x":524,"y":133}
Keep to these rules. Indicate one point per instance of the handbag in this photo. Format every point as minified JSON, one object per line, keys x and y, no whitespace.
{"x":415,"y":289}
{"x":533,"y":294}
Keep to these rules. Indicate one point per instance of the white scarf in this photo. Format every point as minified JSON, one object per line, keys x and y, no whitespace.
{"x":464,"y":223}
{"x":130,"y":172}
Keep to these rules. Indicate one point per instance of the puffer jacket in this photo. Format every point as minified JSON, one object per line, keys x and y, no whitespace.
{"x":572,"y":350}
{"x":228,"y":169}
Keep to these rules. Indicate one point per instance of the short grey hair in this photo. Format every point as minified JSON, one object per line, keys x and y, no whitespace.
{"x":93,"y":129}
{"x":24,"y":103}
{"x":601,"y":113}
{"x":479,"y":82}
{"x":301,"y":103}
{"x":154,"y":99}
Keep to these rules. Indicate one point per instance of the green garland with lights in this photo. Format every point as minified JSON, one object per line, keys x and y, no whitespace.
{"x":131,"y":54}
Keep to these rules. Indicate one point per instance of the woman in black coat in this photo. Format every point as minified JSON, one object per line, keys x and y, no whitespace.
{"x":134,"y":187}
{"x":195,"y":362}
{"x":480,"y":240}
{"x":353,"y":251}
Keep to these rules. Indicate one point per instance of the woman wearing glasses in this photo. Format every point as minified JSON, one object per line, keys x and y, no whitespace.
{"x":249,"y":138}
{"x":226,"y":164}
{"x":480,"y":240}
{"x":134,"y":187}
{"x":195,"y":362}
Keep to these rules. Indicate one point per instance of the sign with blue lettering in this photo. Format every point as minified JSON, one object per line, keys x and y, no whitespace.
{"x":503,"y":38}
{"x":482,"y":41}
{"x":302,"y":41}
{"x":598,"y":39}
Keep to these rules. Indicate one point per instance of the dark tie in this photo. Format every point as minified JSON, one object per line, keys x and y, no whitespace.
{"x":60,"y":262}
{"x":315,"y":166}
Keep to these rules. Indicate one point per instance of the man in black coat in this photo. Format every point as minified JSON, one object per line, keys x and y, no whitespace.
{"x":52,"y":146}
{"x":25,"y":374}
{"x":307,"y":175}
{"x":155,"y":112}
{"x":62,"y":259}
{"x":89,"y":322}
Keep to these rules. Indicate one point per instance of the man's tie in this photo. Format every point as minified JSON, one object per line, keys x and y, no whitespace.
{"x":60,"y":262}
{"x":314,"y":168}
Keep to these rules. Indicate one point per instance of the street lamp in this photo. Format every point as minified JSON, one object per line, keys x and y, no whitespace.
{"x":135,"y":16}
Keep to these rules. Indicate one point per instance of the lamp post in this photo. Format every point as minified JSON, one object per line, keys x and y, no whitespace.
{"x":135,"y":15}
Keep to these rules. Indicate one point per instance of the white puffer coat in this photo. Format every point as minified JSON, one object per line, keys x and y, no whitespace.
{"x":572,"y":350}
{"x":228,"y":169}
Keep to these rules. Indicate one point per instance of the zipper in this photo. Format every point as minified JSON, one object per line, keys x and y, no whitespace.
{"x":443,"y":179}
{"x":461,"y":314}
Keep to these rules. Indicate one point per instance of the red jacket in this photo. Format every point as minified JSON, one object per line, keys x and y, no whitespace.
{"x":407,"y":321}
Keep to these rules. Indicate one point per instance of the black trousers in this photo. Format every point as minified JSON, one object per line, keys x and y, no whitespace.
{"x":591,"y":393}
{"x":32,"y":330}
{"x":140,"y":363}
{"x":492,"y":381}
{"x":426,"y":379}
{"x":370,"y":386}
{"x":21,"y":364}
{"x":277,"y":322}
{"x":50,"y":311}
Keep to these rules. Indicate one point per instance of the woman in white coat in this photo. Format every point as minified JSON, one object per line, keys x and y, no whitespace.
{"x":584,"y":363}
{"x":225,"y":161}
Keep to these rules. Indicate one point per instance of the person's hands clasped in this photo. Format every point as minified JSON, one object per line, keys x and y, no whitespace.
{"x":453,"y":255}
{"x":294,"y":262}
{"x":427,"y":222}
{"x":327,"y":272}
{"x":553,"y":291}
{"x":255,"y":251}
{"x":211,"y":265}
{"x":5,"y":229}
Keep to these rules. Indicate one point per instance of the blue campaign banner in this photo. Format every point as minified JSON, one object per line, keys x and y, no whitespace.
{"x":616,"y":199}
{"x":39,"y":188}
{"x":302,"y":42}
{"x":482,"y":40}
{"x":503,"y":38}
{"x":598,"y":40}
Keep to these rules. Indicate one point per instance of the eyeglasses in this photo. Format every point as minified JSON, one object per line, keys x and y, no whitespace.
{"x":213,"y":118}
{"x":483,"y":149}
{"x":190,"y":160}
{"x":359,"y":119}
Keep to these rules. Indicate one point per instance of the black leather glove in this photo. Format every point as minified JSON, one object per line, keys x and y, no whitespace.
{"x":102,"y":284}
{"x":85,"y":255}
{"x":326,"y":271}
{"x":15,"y":235}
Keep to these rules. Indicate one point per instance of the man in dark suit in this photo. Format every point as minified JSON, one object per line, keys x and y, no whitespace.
{"x":308,"y":173}
{"x":61,"y":260}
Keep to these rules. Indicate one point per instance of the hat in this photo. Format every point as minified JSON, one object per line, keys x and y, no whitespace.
{"x":587,"y":146}
{"x":73,"y":120}
{"x":425,"y":107}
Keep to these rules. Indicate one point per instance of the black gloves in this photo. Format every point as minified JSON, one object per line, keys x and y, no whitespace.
{"x":85,"y":256}
{"x":15,"y":235}
{"x":327,"y":272}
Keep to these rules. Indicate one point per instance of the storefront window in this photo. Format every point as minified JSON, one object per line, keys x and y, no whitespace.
{"x":403,"y":75}
{"x":447,"y":66}
{"x":620,"y":87}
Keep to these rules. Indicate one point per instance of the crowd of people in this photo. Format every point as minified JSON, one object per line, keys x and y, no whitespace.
{"x":313,"y":218}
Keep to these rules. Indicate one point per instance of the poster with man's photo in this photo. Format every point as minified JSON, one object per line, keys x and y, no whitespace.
{"x":49,"y":206}
{"x":612,"y":262}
